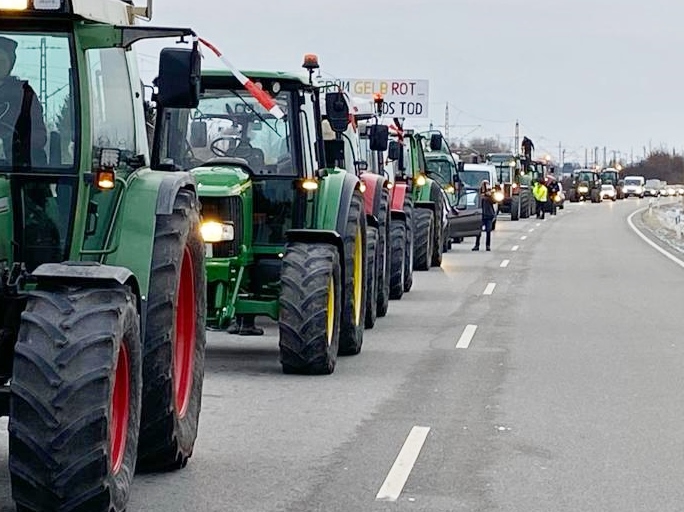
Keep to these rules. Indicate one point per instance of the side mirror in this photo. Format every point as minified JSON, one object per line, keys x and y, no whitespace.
{"x":337,"y":111}
{"x":378,"y":137}
{"x":361,"y":165}
{"x":179,"y":78}
{"x":198,"y":134}
{"x":436,"y":142}
{"x":393,"y":150}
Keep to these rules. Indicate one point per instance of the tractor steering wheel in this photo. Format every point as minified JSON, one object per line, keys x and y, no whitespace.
{"x":217,"y":150}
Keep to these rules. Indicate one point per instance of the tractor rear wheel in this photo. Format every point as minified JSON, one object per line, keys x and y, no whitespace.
{"x":423,"y":239}
{"x":310,"y":308}
{"x":371,"y":277}
{"x":524,"y":204}
{"x":515,"y":207}
{"x":75,"y":402}
{"x":384,"y":254}
{"x":173,"y":351}
{"x":398,"y":268}
{"x":354,"y":292}
{"x":410,"y":243}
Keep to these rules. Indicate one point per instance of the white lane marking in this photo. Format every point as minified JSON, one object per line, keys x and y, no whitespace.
{"x":523,"y":237}
{"x":489,"y":289}
{"x":662,"y":251}
{"x":401,"y":469}
{"x":467,"y":336}
{"x":538,"y":224}
{"x":531,"y":230}
{"x":505,"y":263}
{"x":515,"y":248}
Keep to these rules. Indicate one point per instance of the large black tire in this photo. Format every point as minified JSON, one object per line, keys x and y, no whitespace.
{"x":439,"y":228}
{"x":515,"y":207}
{"x":309,"y":337}
{"x":77,"y":384}
{"x":524,"y":204}
{"x":423,"y":239}
{"x":595,"y":196}
{"x":384,"y":254}
{"x":398,"y":256}
{"x":354,"y":294}
{"x":410,"y":243}
{"x":371,"y":277}
{"x":175,"y":339}
{"x":572,"y":196}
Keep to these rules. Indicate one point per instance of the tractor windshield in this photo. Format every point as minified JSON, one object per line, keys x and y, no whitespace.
{"x":441,"y":169}
{"x":37,"y":114}
{"x":585,"y":176}
{"x":230,"y":123}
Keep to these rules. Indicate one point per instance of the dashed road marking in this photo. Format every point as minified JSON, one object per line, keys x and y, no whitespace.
{"x":489,"y":289}
{"x":467,"y":336}
{"x":524,"y":237}
{"x":538,"y":224}
{"x":401,"y":469}
{"x":515,"y":248}
{"x":531,"y":230}
{"x":505,"y":263}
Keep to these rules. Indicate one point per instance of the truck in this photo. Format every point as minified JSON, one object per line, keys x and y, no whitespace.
{"x":102,"y":281}
{"x":284,"y":224}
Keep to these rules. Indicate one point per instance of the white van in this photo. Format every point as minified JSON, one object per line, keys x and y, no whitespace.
{"x":472,"y":175}
{"x":634,"y":186}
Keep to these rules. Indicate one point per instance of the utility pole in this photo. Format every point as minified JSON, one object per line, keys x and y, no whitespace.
{"x":560,"y":153}
{"x":596,"y":155}
{"x":446,"y":123}
{"x":604,"y":156}
{"x":586,"y":158}
{"x":42,"y":82}
{"x":517,"y":138}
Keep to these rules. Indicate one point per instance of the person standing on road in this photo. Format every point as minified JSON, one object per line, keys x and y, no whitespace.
{"x":541,"y":195}
{"x":553,"y":190}
{"x":488,"y":215}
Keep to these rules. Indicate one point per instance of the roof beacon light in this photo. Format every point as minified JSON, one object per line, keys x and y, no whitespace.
{"x":264,"y":99}
{"x":311,"y":61}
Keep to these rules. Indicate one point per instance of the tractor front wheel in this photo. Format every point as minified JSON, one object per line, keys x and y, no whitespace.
{"x":423,"y":239}
{"x":398,"y":254}
{"x":372,"y":277}
{"x":410,"y":242}
{"x":384,"y":254}
{"x":310,"y":306}
{"x":354,"y":292}
{"x":75,"y":402}
{"x":173,"y":351}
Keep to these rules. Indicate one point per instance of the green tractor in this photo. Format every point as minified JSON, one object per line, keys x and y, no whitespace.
{"x":102,"y":281}
{"x":283,"y":223}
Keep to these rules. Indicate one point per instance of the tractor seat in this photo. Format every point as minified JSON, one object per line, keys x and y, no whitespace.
{"x":254,"y":156}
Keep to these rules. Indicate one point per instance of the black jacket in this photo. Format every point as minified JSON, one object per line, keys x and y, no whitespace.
{"x":22,"y":128}
{"x":487,"y":204}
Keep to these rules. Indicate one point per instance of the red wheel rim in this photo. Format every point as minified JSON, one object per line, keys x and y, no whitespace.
{"x":118,"y":427}
{"x":184,"y":341}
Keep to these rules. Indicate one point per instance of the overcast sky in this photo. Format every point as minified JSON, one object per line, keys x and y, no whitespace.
{"x":582,"y":72}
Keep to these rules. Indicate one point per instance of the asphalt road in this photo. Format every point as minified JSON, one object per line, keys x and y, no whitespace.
{"x":548,"y":383}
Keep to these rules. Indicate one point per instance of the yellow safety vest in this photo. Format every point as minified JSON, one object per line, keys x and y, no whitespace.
{"x":540,"y":192}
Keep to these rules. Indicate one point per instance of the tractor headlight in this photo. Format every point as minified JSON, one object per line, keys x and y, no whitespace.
{"x":213,"y":231}
{"x":449,"y":189}
{"x":14,"y":5}
{"x":420,"y":180}
{"x":498,"y":196}
{"x":583,"y":189}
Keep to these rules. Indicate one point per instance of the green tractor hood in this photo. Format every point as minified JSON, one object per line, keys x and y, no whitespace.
{"x":220,"y":180}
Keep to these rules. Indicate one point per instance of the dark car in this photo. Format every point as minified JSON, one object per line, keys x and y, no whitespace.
{"x":465,"y":216}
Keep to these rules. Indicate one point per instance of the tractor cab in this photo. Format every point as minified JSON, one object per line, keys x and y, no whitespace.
{"x":442,"y":167}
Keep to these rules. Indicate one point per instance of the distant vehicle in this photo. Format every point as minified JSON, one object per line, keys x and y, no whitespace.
{"x":669,"y":191}
{"x":608,"y":192}
{"x":679,"y":189}
{"x":585,"y":185}
{"x":612,"y":176}
{"x":634,"y":186}
{"x":652,"y":188}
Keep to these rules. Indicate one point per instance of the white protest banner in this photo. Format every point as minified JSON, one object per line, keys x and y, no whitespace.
{"x":403,"y":97}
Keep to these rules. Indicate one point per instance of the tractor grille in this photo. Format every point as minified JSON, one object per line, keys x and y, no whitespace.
{"x":225,"y":209}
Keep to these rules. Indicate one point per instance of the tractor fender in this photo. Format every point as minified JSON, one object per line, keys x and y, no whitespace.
{"x":168,"y":190}
{"x":398,"y":215}
{"x":399,"y":192}
{"x":310,"y":236}
{"x":372,"y":197}
{"x":350,"y":184}
{"x":83,"y":271}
